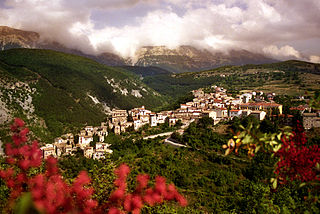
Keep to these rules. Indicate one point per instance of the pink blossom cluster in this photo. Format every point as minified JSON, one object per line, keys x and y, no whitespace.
{"x":51,"y":194}
{"x":122,"y":202}
{"x":297,"y":161}
{"x":22,"y":155}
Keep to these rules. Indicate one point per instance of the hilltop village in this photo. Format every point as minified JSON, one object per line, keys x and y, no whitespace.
{"x":217,"y":105}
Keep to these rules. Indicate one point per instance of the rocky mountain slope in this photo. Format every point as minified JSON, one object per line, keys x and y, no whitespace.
{"x":14,"y":38}
{"x":188,"y":58}
{"x":182,"y":59}
{"x":63,"y":91}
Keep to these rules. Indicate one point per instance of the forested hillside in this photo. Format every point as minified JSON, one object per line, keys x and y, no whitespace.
{"x":64,"y":91}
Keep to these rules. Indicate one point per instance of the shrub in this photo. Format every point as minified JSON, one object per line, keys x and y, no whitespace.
{"x":48,"y":192}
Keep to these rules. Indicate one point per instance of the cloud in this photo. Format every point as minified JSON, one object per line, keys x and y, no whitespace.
{"x":314,"y":59}
{"x":50,"y":20}
{"x":285,"y":52}
{"x":264,"y":26}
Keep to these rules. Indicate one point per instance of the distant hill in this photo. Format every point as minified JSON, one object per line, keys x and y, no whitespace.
{"x":146,"y":71}
{"x":65,"y":91}
{"x":181,"y":59}
{"x":289,"y":77}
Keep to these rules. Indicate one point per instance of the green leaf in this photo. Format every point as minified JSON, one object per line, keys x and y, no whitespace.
{"x":242,"y":134}
{"x":25,"y":205}
{"x":273,"y":142}
{"x":318,"y":166}
{"x":279,"y":136}
{"x":274,"y":184}
{"x":276,"y":148}
{"x":246,"y":139}
{"x":302,"y":185}
{"x":257,"y":149}
{"x":227,"y":152}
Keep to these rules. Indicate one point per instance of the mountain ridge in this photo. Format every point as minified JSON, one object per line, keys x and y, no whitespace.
{"x":184,"y":58}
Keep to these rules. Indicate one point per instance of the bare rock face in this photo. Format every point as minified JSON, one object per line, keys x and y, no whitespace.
{"x":1,"y":149}
{"x":14,"y":38}
{"x":188,"y":58}
{"x":5,"y":115}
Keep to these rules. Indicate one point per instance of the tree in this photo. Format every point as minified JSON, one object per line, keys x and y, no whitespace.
{"x":48,"y":192}
{"x":166,"y":122}
{"x":178,"y":124}
{"x":176,"y":136}
{"x":76,"y":139}
{"x":94,"y":141}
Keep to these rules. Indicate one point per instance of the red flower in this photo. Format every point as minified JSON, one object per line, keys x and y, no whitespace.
{"x":297,"y":162}
{"x":51,"y":194}
{"x":18,"y":122}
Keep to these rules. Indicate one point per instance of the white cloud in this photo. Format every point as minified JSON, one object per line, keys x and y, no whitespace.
{"x":264,"y":26}
{"x":285,"y":52}
{"x":314,"y":59}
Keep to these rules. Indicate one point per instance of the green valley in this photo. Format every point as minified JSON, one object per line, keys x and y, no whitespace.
{"x":68,"y":91}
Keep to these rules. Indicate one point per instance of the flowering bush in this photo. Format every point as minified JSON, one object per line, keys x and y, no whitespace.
{"x":133,"y":202}
{"x":295,"y":162}
{"x":51,"y":194}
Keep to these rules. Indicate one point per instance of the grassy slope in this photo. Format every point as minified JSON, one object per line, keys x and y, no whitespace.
{"x":146,"y":71}
{"x":63,"y":81}
{"x":296,"y":76}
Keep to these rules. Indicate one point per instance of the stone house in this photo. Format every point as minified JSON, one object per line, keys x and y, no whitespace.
{"x":117,"y":129}
{"x":89,"y":128}
{"x":221,"y":112}
{"x":119,"y":116}
{"x":198,"y":93}
{"x":246,"y":97}
{"x":172,"y":121}
{"x":48,"y":150}
{"x":137,"y":124}
{"x":311,"y":120}
{"x":153,"y":120}
{"x":246,"y":113}
{"x":267,"y":107}
{"x":98,"y":154}
{"x":209,"y":113}
{"x":260,"y":115}
{"x":161,"y":118}
{"x":88,"y":152}
{"x":235,"y":113}
{"x":84,"y":140}
{"x":68,"y":149}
